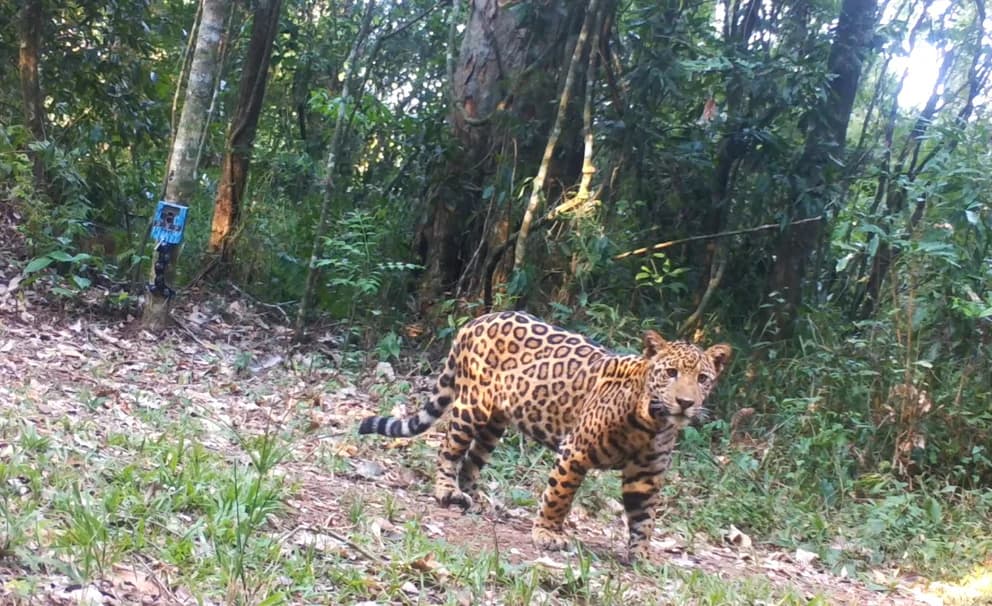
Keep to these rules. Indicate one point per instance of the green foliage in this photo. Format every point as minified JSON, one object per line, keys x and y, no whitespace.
{"x":389,"y":347}
{"x":810,"y":495}
{"x":75,"y":282}
{"x":356,"y":273}
{"x":15,"y":166}
{"x":659,"y":273}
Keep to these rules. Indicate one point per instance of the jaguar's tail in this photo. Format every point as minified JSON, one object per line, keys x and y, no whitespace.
{"x":418,"y":423}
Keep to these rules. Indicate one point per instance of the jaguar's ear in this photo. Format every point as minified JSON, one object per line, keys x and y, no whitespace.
{"x":719,"y":354}
{"x":653,"y":343}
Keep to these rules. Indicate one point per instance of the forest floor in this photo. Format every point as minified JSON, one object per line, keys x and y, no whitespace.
{"x":219,"y":463}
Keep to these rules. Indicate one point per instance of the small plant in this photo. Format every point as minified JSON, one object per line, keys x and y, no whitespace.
{"x":577,"y":585}
{"x":391,"y":394}
{"x":353,"y":263}
{"x":32,"y":441}
{"x":88,"y":536}
{"x":73,"y":282}
{"x":357,"y":506}
{"x":242,"y":361}
{"x":389,"y":347}
{"x":243,"y":506}
{"x":661,"y":275}
{"x":390,"y":507}
{"x":454,"y":320}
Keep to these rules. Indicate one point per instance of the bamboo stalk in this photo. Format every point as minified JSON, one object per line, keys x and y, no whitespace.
{"x":723,"y":234}
{"x":537,"y":186}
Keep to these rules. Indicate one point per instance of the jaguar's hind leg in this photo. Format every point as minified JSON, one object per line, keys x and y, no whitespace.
{"x":478,"y":455}
{"x":565,"y":478}
{"x":468,"y":420}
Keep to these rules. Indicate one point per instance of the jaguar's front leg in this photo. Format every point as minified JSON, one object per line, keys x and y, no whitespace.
{"x":642,"y":481}
{"x":569,"y":471}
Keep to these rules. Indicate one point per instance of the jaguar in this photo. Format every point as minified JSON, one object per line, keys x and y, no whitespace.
{"x":595,"y":408}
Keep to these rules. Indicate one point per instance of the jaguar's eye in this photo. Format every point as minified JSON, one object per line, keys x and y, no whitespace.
{"x":672,"y":372}
{"x":703,"y":378}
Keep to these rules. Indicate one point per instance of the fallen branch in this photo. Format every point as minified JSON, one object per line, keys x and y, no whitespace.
{"x":346,"y":541}
{"x":723,"y":234}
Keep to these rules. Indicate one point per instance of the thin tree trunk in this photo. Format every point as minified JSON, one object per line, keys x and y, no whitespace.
{"x":825,"y":142}
{"x":584,"y":193}
{"x":34,"y":108}
{"x":537,"y":187}
{"x":739,"y":25}
{"x":716,"y":277}
{"x":588,"y":168}
{"x":330,"y":169}
{"x":241,"y":135}
{"x":181,"y":182}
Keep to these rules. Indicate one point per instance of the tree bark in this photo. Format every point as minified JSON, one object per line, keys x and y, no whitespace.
{"x":503,"y":83}
{"x":244,"y":122}
{"x":33,"y":102}
{"x":823,"y":152}
{"x":183,"y":160}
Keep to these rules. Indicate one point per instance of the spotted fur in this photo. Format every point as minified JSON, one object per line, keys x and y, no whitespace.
{"x":597,"y":409}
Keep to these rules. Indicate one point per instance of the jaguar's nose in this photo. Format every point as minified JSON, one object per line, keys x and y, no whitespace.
{"x":684,"y":403}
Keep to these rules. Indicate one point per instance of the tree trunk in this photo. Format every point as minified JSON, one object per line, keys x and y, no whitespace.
{"x":738,"y":26}
{"x":181,"y":181}
{"x":507,"y":75}
{"x":34,"y":107}
{"x":244,"y":121}
{"x":823,"y":152}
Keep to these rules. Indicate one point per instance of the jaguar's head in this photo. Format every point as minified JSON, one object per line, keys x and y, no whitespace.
{"x":680,"y":377}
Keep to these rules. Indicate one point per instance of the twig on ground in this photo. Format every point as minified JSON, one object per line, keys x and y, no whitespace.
{"x":343,"y":539}
{"x":162,"y":586}
{"x":204,"y":344}
{"x":262,"y":303}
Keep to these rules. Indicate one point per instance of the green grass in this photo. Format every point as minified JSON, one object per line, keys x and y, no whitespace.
{"x":82,"y":500}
